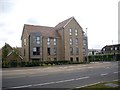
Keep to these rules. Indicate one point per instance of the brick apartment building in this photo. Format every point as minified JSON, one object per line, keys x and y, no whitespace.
{"x":62,"y":42}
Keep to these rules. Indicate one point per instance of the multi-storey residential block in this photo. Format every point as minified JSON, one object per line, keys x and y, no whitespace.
{"x":85,"y":45}
{"x":62,"y":42}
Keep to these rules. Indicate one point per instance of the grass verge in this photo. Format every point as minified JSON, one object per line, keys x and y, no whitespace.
{"x":101,"y":86}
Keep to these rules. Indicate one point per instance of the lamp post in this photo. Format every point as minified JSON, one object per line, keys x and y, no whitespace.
{"x":87,"y":47}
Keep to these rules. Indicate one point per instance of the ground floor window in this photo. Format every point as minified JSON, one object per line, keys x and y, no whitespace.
{"x":71,"y":59}
{"x":48,"y":51}
{"x":55,"y":59}
{"x":36,"y":51}
{"x":77,"y":59}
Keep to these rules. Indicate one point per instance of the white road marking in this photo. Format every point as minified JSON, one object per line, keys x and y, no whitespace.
{"x":107,"y":67}
{"x":21,"y":86}
{"x":103,"y":74}
{"x":89,"y":67}
{"x":81,"y":78}
{"x":115,"y":72}
{"x":106,"y":62}
{"x":41,"y":84}
{"x":65,"y":81}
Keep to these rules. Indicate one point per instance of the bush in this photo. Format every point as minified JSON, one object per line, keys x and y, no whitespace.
{"x":13,"y":63}
{"x":109,"y":57}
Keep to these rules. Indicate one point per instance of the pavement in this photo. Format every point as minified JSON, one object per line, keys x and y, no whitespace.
{"x":62,"y":76}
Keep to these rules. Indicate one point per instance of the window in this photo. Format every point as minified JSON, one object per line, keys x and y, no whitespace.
{"x":84,"y":42}
{"x":55,"y":59}
{"x":111,"y":49}
{"x":24,"y":52}
{"x":103,"y":49}
{"x":71,"y":51}
{"x":48,"y":50}
{"x":76,"y":41}
{"x":77,"y":59}
{"x":76,"y":32}
{"x":77,"y":51}
{"x":71,"y":59}
{"x":24,"y":41}
{"x":54,"y":41}
{"x":115,"y":48}
{"x":48,"y":41}
{"x":70,"y":32}
{"x":71,"y":42}
{"x":54,"y":50}
{"x":36,"y":51}
{"x":38,"y":40}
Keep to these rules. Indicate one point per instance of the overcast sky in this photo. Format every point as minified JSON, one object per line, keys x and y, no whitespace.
{"x":99,"y":16}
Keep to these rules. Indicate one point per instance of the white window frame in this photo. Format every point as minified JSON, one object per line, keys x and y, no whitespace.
{"x":115,"y":48}
{"x":71,"y":41}
{"x":54,"y":41}
{"x":34,"y":49}
{"x":76,"y":32}
{"x":76,"y":41}
{"x":48,"y":41}
{"x":24,"y":41}
{"x":38,"y":39}
{"x":70,"y":31}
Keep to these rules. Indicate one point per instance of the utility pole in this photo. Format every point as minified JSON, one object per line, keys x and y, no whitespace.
{"x":87,"y":47}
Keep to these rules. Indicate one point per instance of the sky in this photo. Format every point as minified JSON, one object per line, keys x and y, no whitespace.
{"x":99,"y":16}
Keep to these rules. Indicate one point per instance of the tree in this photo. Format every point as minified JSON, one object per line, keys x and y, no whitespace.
{"x":4,"y":52}
{"x":16,"y":52}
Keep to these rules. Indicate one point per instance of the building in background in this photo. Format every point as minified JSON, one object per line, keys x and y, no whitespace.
{"x":94,"y":52}
{"x":9,"y":53}
{"x":111,"y":49}
{"x":62,"y":42}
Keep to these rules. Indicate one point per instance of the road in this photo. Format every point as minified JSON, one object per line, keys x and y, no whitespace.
{"x":63,"y":76}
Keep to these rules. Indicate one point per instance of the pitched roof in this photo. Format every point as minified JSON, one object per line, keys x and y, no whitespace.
{"x":44,"y":30}
{"x":109,"y":46}
{"x":63,"y":23}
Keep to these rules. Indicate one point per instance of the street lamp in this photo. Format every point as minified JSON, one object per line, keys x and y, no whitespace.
{"x":87,"y":47}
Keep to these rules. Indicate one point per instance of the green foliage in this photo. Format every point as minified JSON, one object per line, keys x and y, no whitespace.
{"x":107,"y":57}
{"x":16,"y":52}
{"x":15,"y":63}
{"x":4,"y":52}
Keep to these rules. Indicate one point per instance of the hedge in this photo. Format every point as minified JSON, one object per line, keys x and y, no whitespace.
{"x":109,"y":57}
{"x":15,"y":63}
